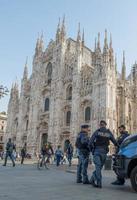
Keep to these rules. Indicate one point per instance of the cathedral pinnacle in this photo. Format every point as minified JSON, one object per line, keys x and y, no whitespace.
{"x":14,"y":93}
{"x":63,"y":29}
{"x":98,"y":43}
{"x":105,"y":41}
{"x":58,"y":32}
{"x":83,"y":38}
{"x":37,"y":46}
{"x":78,"y":34}
{"x":41,"y":44}
{"x":123,"y":67}
{"x":25,"y":75}
{"x":95,"y":48}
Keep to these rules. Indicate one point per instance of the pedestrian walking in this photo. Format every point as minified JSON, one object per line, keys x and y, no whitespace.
{"x":69,"y":153}
{"x":23,"y":153}
{"x":46,"y":152}
{"x":82,"y":145}
{"x":99,"y":144}
{"x":120,"y":139}
{"x":9,"y":152}
{"x":59,"y":155}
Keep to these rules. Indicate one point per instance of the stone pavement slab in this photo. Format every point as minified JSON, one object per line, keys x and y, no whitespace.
{"x":27,"y":183}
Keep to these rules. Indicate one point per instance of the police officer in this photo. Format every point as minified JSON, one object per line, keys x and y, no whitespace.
{"x":99,"y":143}
{"x":9,"y":152}
{"x":82,"y":145}
{"x":120,"y":139}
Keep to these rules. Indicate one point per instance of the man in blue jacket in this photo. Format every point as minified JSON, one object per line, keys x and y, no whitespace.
{"x":99,"y":145}
{"x":82,"y":145}
{"x":9,"y":152}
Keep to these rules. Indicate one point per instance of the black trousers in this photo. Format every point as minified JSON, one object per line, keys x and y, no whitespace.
{"x":22,"y":159}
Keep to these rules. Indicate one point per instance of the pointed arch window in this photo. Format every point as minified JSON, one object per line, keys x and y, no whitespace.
{"x":87,"y":114}
{"x":69,"y":93}
{"x":46,"y":106}
{"x":68,"y":118}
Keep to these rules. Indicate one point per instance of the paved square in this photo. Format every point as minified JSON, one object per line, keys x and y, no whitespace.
{"x":28,"y":183}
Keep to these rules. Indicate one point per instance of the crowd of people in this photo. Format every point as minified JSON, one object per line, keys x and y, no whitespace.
{"x":47,"y":152}
{"x":97,"y":144}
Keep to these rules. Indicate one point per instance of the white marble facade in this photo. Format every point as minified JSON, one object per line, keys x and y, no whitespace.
{"x":71,"y":85}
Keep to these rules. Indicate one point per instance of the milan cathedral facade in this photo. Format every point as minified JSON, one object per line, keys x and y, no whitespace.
{"x":71,"y":85}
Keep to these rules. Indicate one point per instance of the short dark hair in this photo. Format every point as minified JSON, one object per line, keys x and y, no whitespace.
{"x":85,"y":126}
{"x":103,"y":122}
{"x":122,"y":126}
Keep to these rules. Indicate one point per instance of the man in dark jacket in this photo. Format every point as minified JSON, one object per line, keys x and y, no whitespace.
{"x":69,"y":153}
{"x":23,"y":153}
{"x":9,"y":152}
{"x":82,"y":145}
{"x":120,"y":139}
{"x":99,"y":144}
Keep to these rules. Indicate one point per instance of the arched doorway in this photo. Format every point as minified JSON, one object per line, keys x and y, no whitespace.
{"x":44,"y":139}
{"x":42,"y":136}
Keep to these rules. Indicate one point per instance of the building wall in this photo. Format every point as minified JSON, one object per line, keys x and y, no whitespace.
{"x":3,"y":124}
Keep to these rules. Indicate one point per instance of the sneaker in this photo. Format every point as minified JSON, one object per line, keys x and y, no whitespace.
{"x":117,"y":182}
{"x":92,"y":182}
{"x":86,"y":182}
{"x":98,"y":186}
{"x":79,"y":181}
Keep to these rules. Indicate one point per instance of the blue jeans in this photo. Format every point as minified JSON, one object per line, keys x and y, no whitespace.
{"x":8,"y":154}
{"x":82,"y":167}
{"x":58,"y":159}
{"x":99,"y":161}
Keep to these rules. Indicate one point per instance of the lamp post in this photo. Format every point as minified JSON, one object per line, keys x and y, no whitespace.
{"x":3,"y":91}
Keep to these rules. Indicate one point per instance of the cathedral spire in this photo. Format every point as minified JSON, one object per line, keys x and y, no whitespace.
{"x":105,"y":42}
{"x":25,"y":74}
{"x":37,"y":46}
{"x":58,"y":32}
{"x":11,"y":91}
{"x":83,"y":38}
{"x":98,"y":43}
{"x":105,"y":50}
{"x":111,"y":56}
{"x":63,"y":29}
{"x":16,"y":88}
{"x":78,"y":34}
{"x":123,"y":74}
{"x":14,"y":93}
{"x":41,"y":43}
{"x":95,"y":48}
{"x":110,"y":46}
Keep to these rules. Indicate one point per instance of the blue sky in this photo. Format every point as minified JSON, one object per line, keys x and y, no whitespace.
{"x":22,"y":20}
